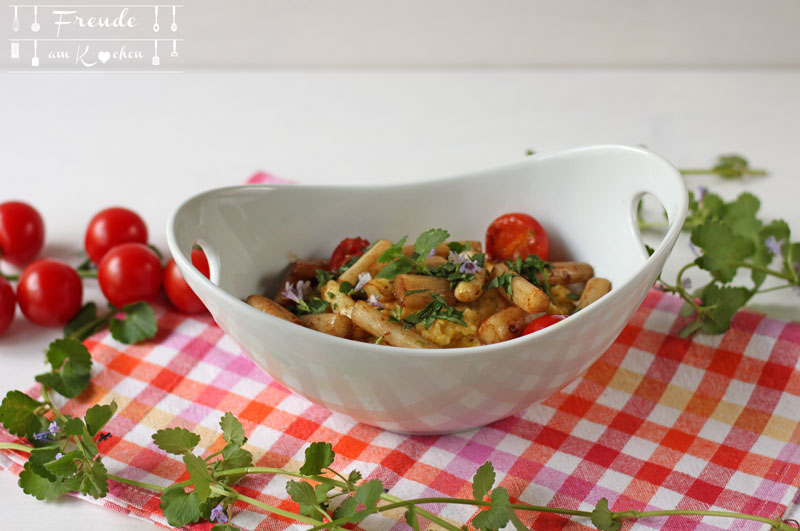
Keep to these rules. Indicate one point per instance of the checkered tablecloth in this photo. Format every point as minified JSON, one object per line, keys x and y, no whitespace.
{"x":658,"y":422}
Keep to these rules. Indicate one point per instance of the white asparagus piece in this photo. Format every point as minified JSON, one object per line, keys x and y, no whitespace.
{"x":329,"y":323}
{"x":595,"y":288}
{"x":378,"y":324}
{"x":567,"y":273}
{"x":409,"y":283}
{"x":272,"y":308}
{"x":502,"y":326}
{"x":471,"y":290}
{"x":340,"y":302}
{"x":525,"y":295}
{"x":364,"y":262}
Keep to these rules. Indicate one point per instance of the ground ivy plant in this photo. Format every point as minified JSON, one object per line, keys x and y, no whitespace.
{"x":65,"y":452}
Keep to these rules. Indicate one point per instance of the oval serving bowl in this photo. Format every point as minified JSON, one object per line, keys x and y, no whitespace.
{"x":585,"y":198}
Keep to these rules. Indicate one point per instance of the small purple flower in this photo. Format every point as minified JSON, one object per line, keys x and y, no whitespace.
{"x":701,"y":193}
{"x":53,"y":428}
{"x":218,"y":514}
{"x":774,"y":246}
{"x":693,"y":249}
{"x":373,"y":301}
{"x":363,"y":278}
{"x":297,"y":292}
{"x":465,"y":263}
{"x":686,"y":283}
{"x":432,"y":253}
{"x":455,"y":258}
{"x":59,"y":455}
{"x":43,"y":436}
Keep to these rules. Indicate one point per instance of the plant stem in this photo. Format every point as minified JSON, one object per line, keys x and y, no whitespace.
{"x":213,"y":455}
{"x":49,"y":402}
{"x":14,"y":446}
{"x":776,"y":524}
{"x":256,"y":503}
{"x":96,"y":323}
{"x":149,"y":486}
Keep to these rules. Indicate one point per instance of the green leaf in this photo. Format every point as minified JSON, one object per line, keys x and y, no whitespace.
{"x":95,"y":479}
{"x":64,"y":466}
{"x":73,"y":426}
{"x":400,"y":266}
{"x":180,"y":508}
{"x":232,"y":430}
{"x":98,"y":416}
{"x":369,"y":493}
{"x":39,"y":458}
{"x":346,"y":509}
{"x":17,"y":414}
{"x":346,"y":287}
{"x":721,"y":247}
{"x":602,"y":517}
{"x":176,"y":440}
{"x":303,"y":493}
{"x":483,"y":481}
{"x":724,"y":302}
{"x":80,"y":327}
{"x":353,"y":476}
{"x":139,"y":324}
{"x":394,"y":251}
{"x":428,"y":240}
{"x":319,"y":455}
{"x":198,"y":473}
{"x":686,"y":310}
{"x":37,"y":486}
{"x":72,"y":365}
{"x":236,"y":458}
{"x":497,"y":515}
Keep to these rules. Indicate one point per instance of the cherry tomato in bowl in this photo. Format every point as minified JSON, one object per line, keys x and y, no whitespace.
{"x":178,"y":291}
{"x":8,"y":304}
{"x":516,"y":235}
{"x":112,"y":227}
{"x":542,"y":322}
{"x":50,"y":292}
{"x":129,"y":273}
{"x":346,"y":250}
{"x":21,"y":232}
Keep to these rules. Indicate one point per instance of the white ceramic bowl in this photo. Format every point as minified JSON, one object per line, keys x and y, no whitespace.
{"x":585,"y":198}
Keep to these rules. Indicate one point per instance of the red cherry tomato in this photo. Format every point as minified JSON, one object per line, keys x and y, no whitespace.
{"x":21,"y":232}
{"x":347,"y":249}
{"x":8,"y":304}
{"x":542,"y":322}
{"x":178,"y":291}
{"x":49,"y":292}
{"x":129,"y":273}
{"x":112,"y":227}
{"x":516,"y":235}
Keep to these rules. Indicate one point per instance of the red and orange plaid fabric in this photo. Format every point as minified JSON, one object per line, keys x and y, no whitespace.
{"x":658,"y":422}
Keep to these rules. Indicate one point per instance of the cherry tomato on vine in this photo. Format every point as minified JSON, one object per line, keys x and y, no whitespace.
{"x":8,"y":304}
{"x":178,"y":291}
{"x":50,"y":292}
{"x":129,"y":273}
{"x":112,"y":227}
{"x":347,"y":249}
{"x":516,"y":235}
{"x":21,"y":232}
{"x":542,"y":322}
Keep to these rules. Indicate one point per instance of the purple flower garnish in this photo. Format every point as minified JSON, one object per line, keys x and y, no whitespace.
{"x":686,"y":283}
{"x":363,"y":278}
{"x":701,"y":193}
{"x":432,"y":253}
{"x":218,"y":514}
{"x":465,"y":263}
{"x":53,"y":428}
{"x":693,"y":249}
{"x":297,"y":292}
{"x":59,"y":455}
{"x":42,"y":436}
{"x":774,"y":246}
{"x":373,"y":301}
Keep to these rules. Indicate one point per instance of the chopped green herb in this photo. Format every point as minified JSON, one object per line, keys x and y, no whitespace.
{"x":315,"y":305}
{"x":346,"y":287}
{"x":413,"y":291}
{"x":503,"y":282}
{"x":436,"y":309}
{"x":531,"y":269}
{"x":324,"y":276}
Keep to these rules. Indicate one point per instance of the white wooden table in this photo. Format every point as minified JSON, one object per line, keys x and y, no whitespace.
{"x":73,"y":144}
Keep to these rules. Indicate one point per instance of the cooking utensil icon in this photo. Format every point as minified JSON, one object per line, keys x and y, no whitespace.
{"x":155,"y":24}
{"x":156,"y":60}
{"x":35,"y":58}
{"x":15,"y":23}
{"x":15,"y":49}
{"x":174,"y":48}
{"x":174,"y":26}
{"x":35,"y":26}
